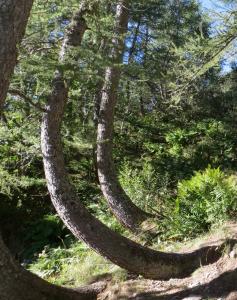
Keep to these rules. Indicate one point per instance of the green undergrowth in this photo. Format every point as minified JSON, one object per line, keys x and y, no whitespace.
{"x":205,"y":200}
{"x":198,"y":203}
{"x":78,"y":265}
{"x":201,"y":205}
{"x":218,"y":233}
{"x":74,"y":266}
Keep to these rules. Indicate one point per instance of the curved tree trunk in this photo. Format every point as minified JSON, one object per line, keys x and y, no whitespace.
{"x":15,"y":282}
{"x":18,"y":284}
{"x":120,"y":250}
{"x":121,"y":205}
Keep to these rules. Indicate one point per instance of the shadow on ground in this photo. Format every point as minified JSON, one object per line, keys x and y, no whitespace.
{"x":221,"y":286}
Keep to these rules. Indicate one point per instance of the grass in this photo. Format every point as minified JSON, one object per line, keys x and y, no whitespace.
{"x":74,"y":266}
{"x":78,"y":265}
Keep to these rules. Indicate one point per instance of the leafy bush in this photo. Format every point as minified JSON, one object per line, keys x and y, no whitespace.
{"x":140,"y":183}
{"x":202,"y":201}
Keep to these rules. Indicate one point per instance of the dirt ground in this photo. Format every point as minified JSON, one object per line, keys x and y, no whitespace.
{"x":214,"y":281}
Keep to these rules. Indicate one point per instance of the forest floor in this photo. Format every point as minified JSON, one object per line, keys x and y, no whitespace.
{"x":214,"y":281}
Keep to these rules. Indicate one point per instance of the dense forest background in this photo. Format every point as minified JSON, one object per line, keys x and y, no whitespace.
{"x":175,"y":132}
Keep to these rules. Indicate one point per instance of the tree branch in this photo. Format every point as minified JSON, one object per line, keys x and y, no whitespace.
{"x":19,"y":93}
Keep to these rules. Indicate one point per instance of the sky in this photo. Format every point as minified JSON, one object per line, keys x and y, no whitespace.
{"x":209,"y":4}
{"x":214,"y":5}
{"x":217,"y":6}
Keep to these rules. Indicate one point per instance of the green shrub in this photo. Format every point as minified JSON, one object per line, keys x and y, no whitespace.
{"x":140,"y":183}
{"x":207,"y":198}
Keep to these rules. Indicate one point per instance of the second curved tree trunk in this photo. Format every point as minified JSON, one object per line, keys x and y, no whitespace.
{"x":121,"y":205}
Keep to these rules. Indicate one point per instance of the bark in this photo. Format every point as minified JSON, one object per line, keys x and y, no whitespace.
{"x":15,"y":282}
{"x":18,"y":284}
{"x":97,"y":101}
{"x":123,"y":208}
{"x":13,"y":18}
{"x":120,"y":250}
